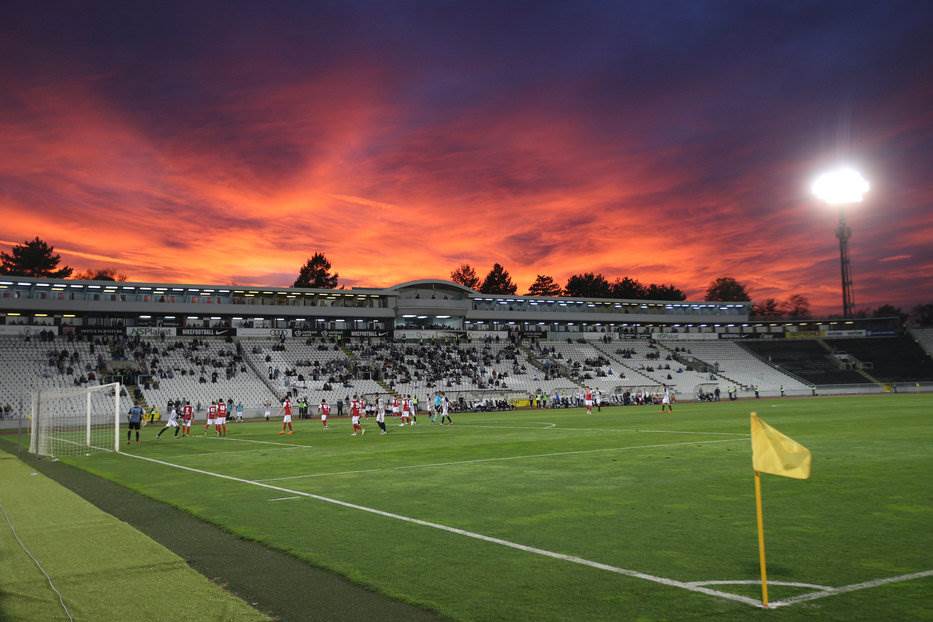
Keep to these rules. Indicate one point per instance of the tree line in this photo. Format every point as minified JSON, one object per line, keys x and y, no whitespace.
{"x":36,"y":258}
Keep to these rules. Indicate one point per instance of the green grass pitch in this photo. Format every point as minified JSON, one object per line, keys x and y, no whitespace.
{"x":670,"y":496}
{"x":105,"y":569}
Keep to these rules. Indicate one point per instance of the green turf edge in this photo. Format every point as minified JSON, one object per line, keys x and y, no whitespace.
{"x":267,"y":578}
{"x":105,"y":568}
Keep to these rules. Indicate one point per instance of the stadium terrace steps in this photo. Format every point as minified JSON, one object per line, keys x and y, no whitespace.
{"x":804,"y":358}
{"x":184,"y":369}
{"x":887,"y":359}
{"x":924,"y":338}
{"x":712,"y":369}
{"x":645,"y":354}
{"x":31,"y":364}
{"x":746,"y":367}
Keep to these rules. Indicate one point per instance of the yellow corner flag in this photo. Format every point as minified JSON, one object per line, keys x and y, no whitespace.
{"x":774,"y":453}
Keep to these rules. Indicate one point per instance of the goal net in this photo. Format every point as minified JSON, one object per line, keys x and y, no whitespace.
{"x":71,"y":422}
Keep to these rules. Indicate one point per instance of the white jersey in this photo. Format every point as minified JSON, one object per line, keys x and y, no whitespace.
{"x":445,"y":406}
{"x":666,"y":398}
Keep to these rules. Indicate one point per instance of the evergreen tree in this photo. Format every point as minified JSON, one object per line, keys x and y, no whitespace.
{"x":465,"y":275}
{"x":726,"y":289}
{"x":316,"y":274}
{"x":588,"y":285}
{"x":544,"y":285}
{"x":628,"y":288}
{"x":498,"y":281}
{"x":664,"y":292}
{"x":34,"y":258}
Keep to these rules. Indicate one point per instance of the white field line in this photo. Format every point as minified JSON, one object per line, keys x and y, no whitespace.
{"x":843,"y":589}
{"x":284,"y":498}
{"x":476,"y":536}
{"x":811,"y":586}
{"x":481,"y":460}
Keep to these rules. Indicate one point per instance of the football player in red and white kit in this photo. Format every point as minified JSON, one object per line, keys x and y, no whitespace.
{"x":187,"y":414}
{"x":396,"y":406}
{"x":287,"y":418}
{"x":588,"y":400}
{"x":220,"y":423}
{"x":406,"y":414}
{"x":324,"y":409}
{"x":211,"y":417}
{"x":355,"y":417}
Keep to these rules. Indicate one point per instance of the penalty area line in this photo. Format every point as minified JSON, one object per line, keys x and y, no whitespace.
{"x":853,"y":587}
{"x":471,"y":534}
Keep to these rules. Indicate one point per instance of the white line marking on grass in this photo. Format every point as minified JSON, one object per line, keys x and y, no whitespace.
{"x":470,"y":534}
{"x":833,"y":591}
{"x":811,"y":586}
{"x":284,"y":498}
{"x":481,"y":460}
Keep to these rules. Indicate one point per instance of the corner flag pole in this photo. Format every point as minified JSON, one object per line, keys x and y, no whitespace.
{"x":761,"y":541}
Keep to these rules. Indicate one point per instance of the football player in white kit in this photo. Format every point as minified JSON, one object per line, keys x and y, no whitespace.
{"x":666,"y":400}
{"x":445,"y":409}
{"x":171,"y":423}
{"x":381,"y":415}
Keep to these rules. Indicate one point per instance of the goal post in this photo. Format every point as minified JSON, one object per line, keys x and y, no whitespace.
{"x":75,"y":421}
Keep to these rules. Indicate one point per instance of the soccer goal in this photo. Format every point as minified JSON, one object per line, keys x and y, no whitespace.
{"x":71,"y":422}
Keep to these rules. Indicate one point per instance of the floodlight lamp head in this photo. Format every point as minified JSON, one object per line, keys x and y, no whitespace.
{"x":840,"y":186}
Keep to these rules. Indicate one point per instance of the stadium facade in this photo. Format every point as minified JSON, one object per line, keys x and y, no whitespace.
{"x":407,"y":310}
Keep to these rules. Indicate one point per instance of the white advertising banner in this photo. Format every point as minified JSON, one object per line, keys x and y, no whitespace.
{"x":845,"y":333}
{"x":264,"y":332}
{"x":683,"y":336}
{"x":150,"y":331}
{"x":26,"y":329}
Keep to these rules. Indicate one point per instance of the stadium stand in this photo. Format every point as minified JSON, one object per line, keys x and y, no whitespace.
{"x":887,"y":359}
{"x":924,"y":337}
{"x":45,"y":361}
{"x":199,"y":370}
{"x":648,"y":359}
{"x":315,"y":368}
{"x":737,"y":366}
{"x":808,"y":359}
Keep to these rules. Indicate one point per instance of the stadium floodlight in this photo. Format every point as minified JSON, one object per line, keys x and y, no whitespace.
{"x":837,"y":188}
{"x":840,"y":186}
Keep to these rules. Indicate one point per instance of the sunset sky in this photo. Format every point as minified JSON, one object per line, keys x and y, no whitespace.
{"x":671,"y":142}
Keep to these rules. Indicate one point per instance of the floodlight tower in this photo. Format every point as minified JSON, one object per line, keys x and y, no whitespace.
{"x":838,"y":188}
